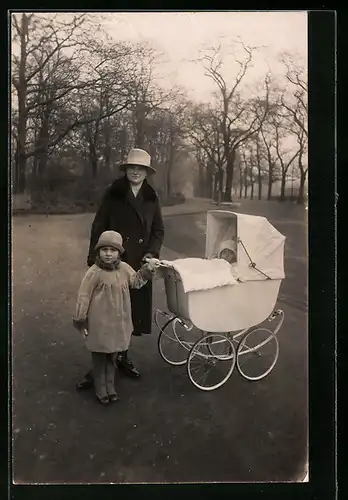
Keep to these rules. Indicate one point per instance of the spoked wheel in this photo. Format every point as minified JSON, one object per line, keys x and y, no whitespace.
{"x":175,"y":341}
{"x":211,"y":361}
{"x":218,"y":347}
{"x":257,"y":353}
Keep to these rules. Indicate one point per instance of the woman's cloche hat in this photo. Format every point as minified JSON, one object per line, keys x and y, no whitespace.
{"x":110,"y":239}
{"x":138,"y":157}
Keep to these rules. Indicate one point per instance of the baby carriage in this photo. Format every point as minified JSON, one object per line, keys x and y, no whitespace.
{"x":221,"y":313}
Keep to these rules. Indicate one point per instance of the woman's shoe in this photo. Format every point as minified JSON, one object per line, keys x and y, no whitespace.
{"x":114,"y":397}
{"x":137,"y":334}
{"x":126,"y":365}
{"x":85,"y":383}
{"x":104,"y":400}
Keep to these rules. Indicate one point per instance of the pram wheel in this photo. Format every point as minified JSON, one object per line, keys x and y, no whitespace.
{"x":211,"y":361}
{"x":175,"y":341}
{"x":257,"y":353}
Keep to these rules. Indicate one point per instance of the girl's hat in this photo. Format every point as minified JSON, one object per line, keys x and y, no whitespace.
{"x":138,"y":157}
{"x":110,"y":239}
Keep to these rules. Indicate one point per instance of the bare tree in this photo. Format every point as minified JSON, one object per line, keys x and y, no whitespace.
{"x":295,"y":106}
{"x":239,"y":118}
{"x":164,"y":132}
{"x":49,"y":74}
{"x":283,"y":157}
{"x":40,"y":41}
{"x":146,"y":94}
{"x":259,"y":153}
{"x":111,"y":67}
{"x":268,"y":138}
{"x":204,"y":131}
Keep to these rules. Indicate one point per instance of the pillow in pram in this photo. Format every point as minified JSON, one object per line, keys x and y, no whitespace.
{"x":202,"y":274}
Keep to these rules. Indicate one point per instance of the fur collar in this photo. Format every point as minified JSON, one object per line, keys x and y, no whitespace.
{"x":120,"y":188}
{"x":107,"y":267}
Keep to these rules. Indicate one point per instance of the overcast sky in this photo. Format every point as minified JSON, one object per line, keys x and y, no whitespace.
{"x":182,"y":36}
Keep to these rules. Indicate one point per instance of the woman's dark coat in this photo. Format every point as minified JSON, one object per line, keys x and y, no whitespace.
{"x":139,"y":221}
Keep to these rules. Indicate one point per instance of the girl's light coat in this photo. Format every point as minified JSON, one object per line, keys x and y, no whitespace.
{"x":104,"y":301}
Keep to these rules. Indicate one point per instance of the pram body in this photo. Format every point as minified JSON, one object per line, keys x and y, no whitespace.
{"x":259,"y":271}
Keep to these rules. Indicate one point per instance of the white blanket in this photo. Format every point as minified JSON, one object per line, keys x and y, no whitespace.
{"x":202,"y":274}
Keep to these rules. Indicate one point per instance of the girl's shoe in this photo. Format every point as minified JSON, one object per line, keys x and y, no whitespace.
{"x":113,"y":397}
{"x":104,"y":400}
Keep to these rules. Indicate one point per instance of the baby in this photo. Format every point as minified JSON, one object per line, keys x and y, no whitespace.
{"x":227,"y":253}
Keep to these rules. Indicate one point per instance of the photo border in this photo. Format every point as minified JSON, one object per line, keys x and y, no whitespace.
{"x":322,"y":320}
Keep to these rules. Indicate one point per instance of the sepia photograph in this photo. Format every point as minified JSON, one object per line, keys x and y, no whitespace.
{"x":159,"y":204}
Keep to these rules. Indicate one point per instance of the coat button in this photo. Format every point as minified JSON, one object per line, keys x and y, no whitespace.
{"x":141,"y":240}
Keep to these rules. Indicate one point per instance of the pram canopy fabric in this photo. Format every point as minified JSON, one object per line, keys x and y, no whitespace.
{"x":258,"y":244}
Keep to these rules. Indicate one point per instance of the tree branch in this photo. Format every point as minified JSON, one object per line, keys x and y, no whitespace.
{"x":67,"y":130}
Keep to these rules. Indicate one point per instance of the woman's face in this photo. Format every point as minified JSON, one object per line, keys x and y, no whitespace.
{"x":109,"y":255}
{"x":136,"y":174}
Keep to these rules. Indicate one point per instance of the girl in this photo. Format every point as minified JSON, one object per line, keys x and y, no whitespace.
{"x":103,"y":309}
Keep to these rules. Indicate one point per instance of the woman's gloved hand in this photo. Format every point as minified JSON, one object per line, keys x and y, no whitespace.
{"x":147,"y":256}
{"x":152,"y":264}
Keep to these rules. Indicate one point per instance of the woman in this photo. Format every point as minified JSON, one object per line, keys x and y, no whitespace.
{"x":131,"y":207}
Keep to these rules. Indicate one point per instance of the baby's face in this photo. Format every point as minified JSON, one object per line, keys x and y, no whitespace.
{"x":109,"y":254}
{"x":228,"y":254}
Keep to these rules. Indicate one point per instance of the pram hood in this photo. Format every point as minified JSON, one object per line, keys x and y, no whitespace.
{"x":259,"y":245}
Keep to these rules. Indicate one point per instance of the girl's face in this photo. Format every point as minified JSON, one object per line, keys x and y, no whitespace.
{"x":228,"y":255}
{"x":109,"y":255}
{"x":136,"y":174}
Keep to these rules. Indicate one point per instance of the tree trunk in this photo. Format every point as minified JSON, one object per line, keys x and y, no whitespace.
{"x":107,"y":146}
{"x":22,"y":112}
{"x":140,"y":127}
{"x":123,"y":141}
{"x":209,"y":187}
{"x":169,"y":184}
{"x":245,"y":182}
{"x":41,"y":173}
{"x":282,"y":186}
{"x":20,"y":177}
{"x":94,"y":163}
{"x":170,"y":168}
{"x":93,"y":156}
{"x":209,"y":180}
{"x":107,"y":156}
{"x":270,"y":182}
{"x":251,"y":184}
{"x":300,"y":197}
{"x":201,"y":181}
{"x":259,"y":182}
{"x":221,"y":186}
{"x":241,"y":182}
{"x":229,"y":176}
{"x":259,"y":179}
{"x":216,"y":186}
{"x":41,"y":154}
